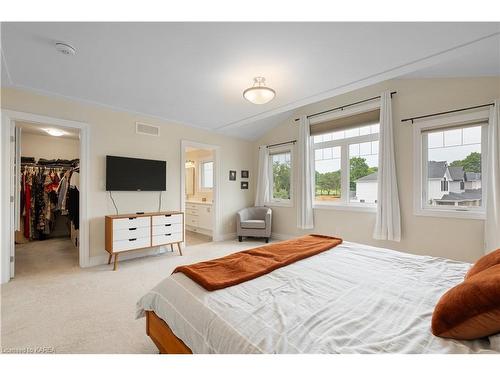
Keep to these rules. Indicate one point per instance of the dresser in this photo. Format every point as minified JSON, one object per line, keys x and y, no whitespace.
{"x":199,"y":217}
{"x":140,"y":231}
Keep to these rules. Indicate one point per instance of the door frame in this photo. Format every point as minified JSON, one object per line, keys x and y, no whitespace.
{"x":217,"y":179}
{"x":7,"y":213}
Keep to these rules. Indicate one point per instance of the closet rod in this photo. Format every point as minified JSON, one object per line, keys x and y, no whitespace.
{"x":446,"y":112}
{"x":345,"y":106}
{"x":282,"y":143}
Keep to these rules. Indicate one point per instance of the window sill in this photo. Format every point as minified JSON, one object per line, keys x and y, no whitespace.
{"x":279,"y":204}
{"x":454,"y":214}
{"x":345,"y":207}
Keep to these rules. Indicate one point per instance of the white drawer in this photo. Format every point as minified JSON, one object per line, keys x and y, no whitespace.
{"x":132,"y":222}
{"x":125,"y":234}
{"x":164,"y":239}
{"x":191,"y":206}
{"x":192,"y":220}
{"x":137,"y":243}
{"x":167,"y":228}
{"x":167,"y":219}
{"x":192,"y":212}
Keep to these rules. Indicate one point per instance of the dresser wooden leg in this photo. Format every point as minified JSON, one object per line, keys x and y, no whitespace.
{"x":109,"y":259}
{"x":116,"y":261}
{"x":179,"y":246}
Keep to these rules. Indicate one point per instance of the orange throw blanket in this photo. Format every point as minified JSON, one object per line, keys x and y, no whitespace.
{"x":249,"y":264}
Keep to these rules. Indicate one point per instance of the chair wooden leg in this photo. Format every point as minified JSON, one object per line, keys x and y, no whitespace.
{"x":240,"y":238}
{"x":179,"y":246}
{"x":172,"y":247}
{"x":110,"y":257}
{"x":115,"y":263}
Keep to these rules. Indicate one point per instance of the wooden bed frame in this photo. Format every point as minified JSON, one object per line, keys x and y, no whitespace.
{"x":163,"y":337}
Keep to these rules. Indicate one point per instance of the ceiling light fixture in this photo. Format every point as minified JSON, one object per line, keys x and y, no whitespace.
{"x":55,"y":132}
{"x":259,"y":93}
{"x":65,"y":48}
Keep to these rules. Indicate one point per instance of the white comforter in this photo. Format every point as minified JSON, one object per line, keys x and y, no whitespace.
{"x":351,"y":299}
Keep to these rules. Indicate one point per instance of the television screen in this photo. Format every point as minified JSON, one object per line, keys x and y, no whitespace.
{"x":129,"y":174}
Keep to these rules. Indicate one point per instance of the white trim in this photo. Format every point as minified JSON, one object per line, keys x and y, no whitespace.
{"x":346,"y":207}
{"x":419,"y":160}
{"x":7,"y":212}
{"x":280,"y":203}
{"x":127,"y":255}
{"x":217,"y":182}
{"x":281,"y":236}
{"x":226,"y":237}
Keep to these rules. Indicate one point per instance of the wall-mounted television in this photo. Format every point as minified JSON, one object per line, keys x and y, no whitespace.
{"x":130,"y":174}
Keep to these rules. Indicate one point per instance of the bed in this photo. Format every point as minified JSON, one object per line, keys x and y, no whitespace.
{"x":350,"y":299}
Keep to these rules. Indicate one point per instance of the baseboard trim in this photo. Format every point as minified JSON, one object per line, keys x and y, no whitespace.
{"x":103,"y":259}
{"x":225,"y":237}
{"x":281,"y":236}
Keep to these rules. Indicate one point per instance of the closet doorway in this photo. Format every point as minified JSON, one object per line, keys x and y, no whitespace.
{"x":199,"y":186}
{"x":47,"y":214}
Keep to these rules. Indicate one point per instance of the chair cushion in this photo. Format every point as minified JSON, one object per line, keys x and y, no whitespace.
{"x":470,"y":310}
{"x":486,"y":261}
{"x":253,"y":224}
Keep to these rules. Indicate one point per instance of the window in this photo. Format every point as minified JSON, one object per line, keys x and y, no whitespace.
{"x":280,"y":170}
{"x":207,"y":175}
{"x":346,"y":165}
{"x":449,"y":161}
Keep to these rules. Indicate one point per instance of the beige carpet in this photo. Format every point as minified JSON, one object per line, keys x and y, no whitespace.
{"x":193,"y":238}
{"x":55,"y":304}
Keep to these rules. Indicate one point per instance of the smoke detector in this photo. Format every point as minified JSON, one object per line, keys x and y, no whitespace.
{"x":65,"y":48}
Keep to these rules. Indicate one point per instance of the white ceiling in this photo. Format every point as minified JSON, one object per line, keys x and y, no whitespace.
{"x":195,"y":73}
{"x":40,"y":129}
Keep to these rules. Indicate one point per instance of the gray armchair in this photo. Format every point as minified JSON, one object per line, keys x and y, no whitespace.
{"x":254,"y":222}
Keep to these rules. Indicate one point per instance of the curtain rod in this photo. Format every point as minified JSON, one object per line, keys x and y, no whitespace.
{"x":446,"y":112}
{"x":282,"y":143}
{"x":344,"y":106}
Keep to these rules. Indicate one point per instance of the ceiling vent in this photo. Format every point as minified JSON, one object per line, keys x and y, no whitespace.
{"x":145,"y":129}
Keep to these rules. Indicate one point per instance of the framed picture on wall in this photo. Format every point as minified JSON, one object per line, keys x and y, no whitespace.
{"x":244,"y":184}
{"x":232,"y":175}
{"x":244,"y":174}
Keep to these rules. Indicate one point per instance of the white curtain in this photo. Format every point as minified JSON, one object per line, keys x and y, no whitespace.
{"x":262,"y":195}
{"x":305,"y":217}
{"x":388,"y":220}
{"x":492,"y":224}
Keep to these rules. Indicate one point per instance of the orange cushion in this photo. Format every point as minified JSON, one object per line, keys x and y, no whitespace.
{"x":471,"y":309}
{"x":484,"y":262}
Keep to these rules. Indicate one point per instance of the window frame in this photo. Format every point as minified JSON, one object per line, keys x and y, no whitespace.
{"x":420,"y":208}
{"x":279,"y":202}
{"x":202,"y":162}
{"x":344,"y":203}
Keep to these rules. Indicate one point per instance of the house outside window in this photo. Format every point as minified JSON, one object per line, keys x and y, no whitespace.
{"x":449,"y":161}
{"x":280,"y":176}
{"x":345,"y":153}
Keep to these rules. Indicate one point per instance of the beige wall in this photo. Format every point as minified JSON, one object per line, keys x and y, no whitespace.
{"x":113,"y":133}
{"x":198,"y":156}
{"x":49,"y":147}
{"x":460,"y":239}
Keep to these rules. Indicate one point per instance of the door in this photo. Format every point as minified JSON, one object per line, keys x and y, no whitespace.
{"x":15,"y":193}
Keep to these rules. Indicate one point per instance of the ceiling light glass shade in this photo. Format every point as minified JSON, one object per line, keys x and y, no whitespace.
{"x":55,"y":132}
{"x":259,"y":93}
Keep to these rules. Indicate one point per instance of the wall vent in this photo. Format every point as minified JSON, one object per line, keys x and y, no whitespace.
{"x":145,"y":129}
